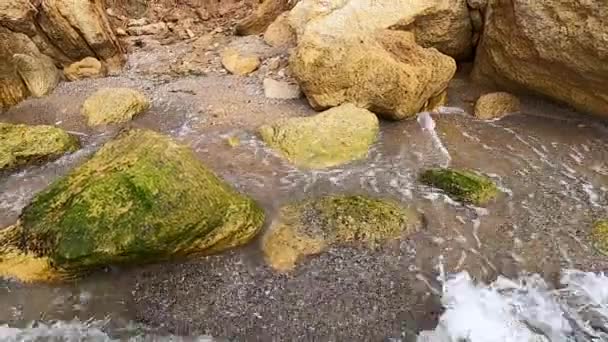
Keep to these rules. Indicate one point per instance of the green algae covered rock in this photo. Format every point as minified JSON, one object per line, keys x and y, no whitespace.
{"x":331,"y":138}
{"x":141,"y":198}
{"x":23,"y":144}
{"x":599,"y":236}
{"x":309,"y":227}
{"x":114,"y":106}
{"x":462,"y":185}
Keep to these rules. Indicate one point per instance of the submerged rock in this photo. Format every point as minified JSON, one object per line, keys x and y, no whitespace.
{"x":599,"y":236}
{"x":309,"y":227}
{"x":462,"y":185}
{"x":331,"y":138}
{"x":239,"y":64}
{"x":141,"y":198}
{"x":114,"y":105}
{"x":23,"y":144}
{"x":496,"y":105}
{"x":88,"y":67}
{"x":555,"y":48}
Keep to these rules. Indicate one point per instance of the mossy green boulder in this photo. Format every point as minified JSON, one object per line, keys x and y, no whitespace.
{"x":23,"y":144}
{"x":599,"y":236}
{"x":141,"y":198}
{"x":461,"y":185}
{"x":114,"y":106}
{"x":311,"y":226}
{"x":328,"y":139}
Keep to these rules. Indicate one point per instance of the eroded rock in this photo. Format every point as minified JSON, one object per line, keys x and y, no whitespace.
{"x":263,"y":16}
{"x":141,"y":198}
{"x":555,"y":48}
{"x":280,"y":33}
{"x":331,"y":138}
{"x":23,"y":144}
{"x":496,"y":105}
{"x":114,"y":105}
{"x":89,"y":67}
{"x":309,"y":227}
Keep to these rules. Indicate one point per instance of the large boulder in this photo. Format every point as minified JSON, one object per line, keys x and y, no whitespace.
{"x":141,"y":198}
{"x":555,"y":48}
{"x":309,"y":227}
{"x":114,"y":106}
{"x":387,"y":72}
{"x":23,"y":144}
{"x":345,"y":53}
{"x":331,"y":138}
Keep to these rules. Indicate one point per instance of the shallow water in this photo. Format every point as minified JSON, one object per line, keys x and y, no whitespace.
{"x":553,"y":173}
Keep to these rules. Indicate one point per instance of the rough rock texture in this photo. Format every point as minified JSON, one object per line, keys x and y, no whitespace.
{"x":239,"y":64}
{"x":446,"y":27}
{"x":495,"y":105}
{"x":263,"y":16}
{"x":22,"y":144}
{"x":599,"y":235}
{"x":280,"y":33}
{"x":46,"y":33}
{"x":331,"y":138}
{"x":274,"y":89}
{"x":555,"y":48}
{"x":89,"y":67}
{"x":114,"y":105}
{"x":309,"y":227}
{"x":462,"y":185}
{"x":388,"y":73}
{"x":141,"y":198}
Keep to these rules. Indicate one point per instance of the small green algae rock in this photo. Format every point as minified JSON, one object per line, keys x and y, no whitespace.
{"x":114,"y":106}
{"x":462,"y":185}
{"x":23,"y":144}
{"x":328,"y":139}
{"x":311,"y":226}
{"x":141,"y":198}
{"x":599,"y":236}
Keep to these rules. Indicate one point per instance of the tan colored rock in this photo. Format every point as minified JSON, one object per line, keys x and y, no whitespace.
{"x":239,"y":64}
{"x":148,"y":30}
{"x":495,"y":105}
{"x":89,"y":67}
{"x":555,"y":48}
{"x":447,"y":26}
{"x":113,"y":106}
{"x":334,"y":137}
{"x":37,"y":72}
{"x":274,"y":89}
{"x":263,"y":16}
{"x":387,"y":72}
{"x":280,"y":33}
{"x":477,"y":4}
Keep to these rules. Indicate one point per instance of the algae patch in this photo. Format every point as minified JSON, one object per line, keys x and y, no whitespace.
{"x":328,"y":139}
{"x":309,"y":227}
{"x":599,"y":236}
{"x":462,"y":185}
{"x":23,"y":144}
{"x":141,"y":198}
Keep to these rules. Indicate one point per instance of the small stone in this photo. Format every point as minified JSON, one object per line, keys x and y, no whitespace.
{"x":239,"y":64}
{"x":150,"y":29}
{"x":114,"y":105}
{"x":461,"y":185}
{"x":88,"y":67}
{"x":599,"y":236}
{"x":273,"y":63}
{"x":138,"y":22}
{"x":120,"y":32}
{"x":233,"y":141}
{"x":495,"y":105}
{"x":190,"y":33}
{"x":203,"y":14}
{"x":281,"y":90}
